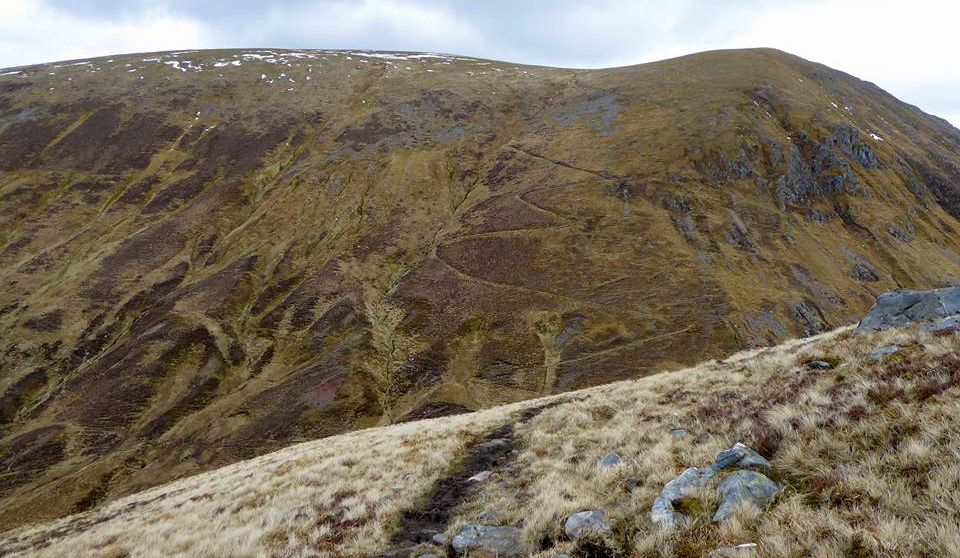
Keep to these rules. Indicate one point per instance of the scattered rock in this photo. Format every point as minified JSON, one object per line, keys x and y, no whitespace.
{"x":441,"y":539}
{"x":739,"y":456}
{"x":744,"y":488}
{"x":487,"y":541}
{"x":428,"y":555}
{"x":589,"y":523}
{"x":481,"y":476}
{"x":944,"y":326}
{"x":902,"y":307}
{"x":739,"y":551}
{"x":678,"y":433}
{"x":818,"y":365}
{"x":881,"y":353}
{"x":609,"y":461}
{"x":487,"y":516}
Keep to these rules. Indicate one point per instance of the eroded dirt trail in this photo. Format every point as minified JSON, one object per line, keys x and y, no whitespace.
{"x":493,"y":452}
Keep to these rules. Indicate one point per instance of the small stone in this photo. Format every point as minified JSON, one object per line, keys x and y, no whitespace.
{"x":819,"y":365}
{"x":487,"y":541}
{"x":481,"y":476}
{"x":740,"y":551}
{"x":428,"y":555}
{"x":881,"y":353}
{"x":487,"y":516}
{"x":739,"y":456}
{"x":609,"y":461}
{"x":678,"y":433}
{"x":588,"y":523}
{"x":440,"y":539}
{"x":490,"y":445}
{"x":744,"y":488}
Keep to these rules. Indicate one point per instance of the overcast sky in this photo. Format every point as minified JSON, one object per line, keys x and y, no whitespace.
{"x":909,"y":48}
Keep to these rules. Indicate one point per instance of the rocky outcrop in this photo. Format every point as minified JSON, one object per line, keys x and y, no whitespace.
{"x":743,"y":487}
{"x":902,"y":308}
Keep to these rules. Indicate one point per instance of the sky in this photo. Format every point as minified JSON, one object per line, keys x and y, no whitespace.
{"x":908,"y":48}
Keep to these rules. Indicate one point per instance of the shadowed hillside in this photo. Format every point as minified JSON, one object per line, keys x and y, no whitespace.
{"x":206,"y":256}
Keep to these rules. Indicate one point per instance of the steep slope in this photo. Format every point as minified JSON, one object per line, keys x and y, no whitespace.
{"x":211,"y":255}
{"x":861,"y":450}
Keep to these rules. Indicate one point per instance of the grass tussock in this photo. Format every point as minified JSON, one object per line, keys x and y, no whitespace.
{"x":866,"y":453}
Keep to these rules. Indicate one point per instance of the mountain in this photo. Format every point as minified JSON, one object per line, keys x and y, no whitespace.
{"x":208,"y":256}
{"x":861,"y":450}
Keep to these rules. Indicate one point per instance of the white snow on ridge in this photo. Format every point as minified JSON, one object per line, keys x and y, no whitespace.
{"x":10,"y":73}
{"x":876,"y":137}
{"x":175,"y":64}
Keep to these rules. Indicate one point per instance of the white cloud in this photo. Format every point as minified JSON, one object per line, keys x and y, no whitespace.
{"x":31,"y":33}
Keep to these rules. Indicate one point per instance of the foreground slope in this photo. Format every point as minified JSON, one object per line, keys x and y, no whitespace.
{"x":863,"y":450}
{"x":206,"y":256}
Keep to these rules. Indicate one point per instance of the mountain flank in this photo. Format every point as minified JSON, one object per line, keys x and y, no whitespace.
{"x":209,"y":256}
{"x":855,"y":440}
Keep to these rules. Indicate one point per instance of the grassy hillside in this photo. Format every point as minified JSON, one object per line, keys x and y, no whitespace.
{"x":208,"y":256}
{"x":863,"y":450}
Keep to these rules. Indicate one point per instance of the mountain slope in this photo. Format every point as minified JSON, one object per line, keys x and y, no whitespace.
{"x":211,"y":255}
{"x":860,"y":448}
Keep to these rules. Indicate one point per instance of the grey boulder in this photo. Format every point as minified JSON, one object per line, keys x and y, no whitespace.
{"x":585,"y":524}
{"x":744,"y":489}
{"x":739,"y":456}
{"x":902,"y":307}
{"x":663,"y":513}
{"x":488,"y":541}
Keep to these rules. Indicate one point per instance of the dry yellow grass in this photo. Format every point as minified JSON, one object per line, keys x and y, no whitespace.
{"x":866,"y":453}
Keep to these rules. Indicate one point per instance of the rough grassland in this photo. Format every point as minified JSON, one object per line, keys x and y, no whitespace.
{"x":866,"y":453}
{"x":209,"y":256}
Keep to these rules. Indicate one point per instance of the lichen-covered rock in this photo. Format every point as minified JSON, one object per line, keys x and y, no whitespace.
{"x":744,"y":489}
{"x":489,"y":541}
{"x":902,"y":307}
{"x":585,"y":524}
